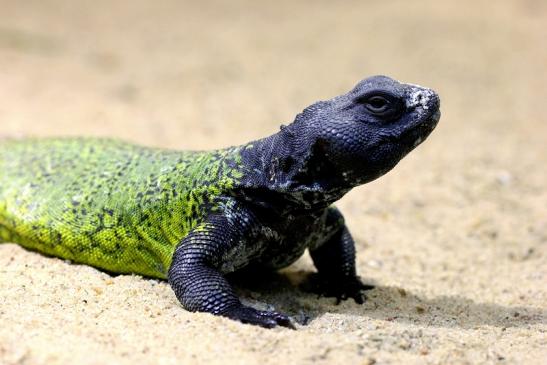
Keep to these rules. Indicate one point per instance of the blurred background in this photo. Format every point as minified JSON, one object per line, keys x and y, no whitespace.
{"x":171,"y":72}
{"x":459,"y":223}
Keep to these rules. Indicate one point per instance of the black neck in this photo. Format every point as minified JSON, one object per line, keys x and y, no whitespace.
{"x":284,"y":169}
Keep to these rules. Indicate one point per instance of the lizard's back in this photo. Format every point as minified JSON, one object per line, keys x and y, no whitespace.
{"x":110,"y":204}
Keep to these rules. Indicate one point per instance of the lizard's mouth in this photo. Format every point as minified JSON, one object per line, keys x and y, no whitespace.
{"x":435,"y":118}
{"x":431,"y":122}
{"x":418,"y":134}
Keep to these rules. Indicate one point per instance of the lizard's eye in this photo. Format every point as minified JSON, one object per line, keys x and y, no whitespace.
{"x":383,"y":105}
{"x":377,"y":104}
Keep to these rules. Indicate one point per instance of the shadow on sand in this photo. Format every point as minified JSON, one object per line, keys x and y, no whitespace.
{"x":283,"y":290}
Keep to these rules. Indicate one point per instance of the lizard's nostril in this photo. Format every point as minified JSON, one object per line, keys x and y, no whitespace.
{"x":418,"y":97}
{"x":423,"y":98}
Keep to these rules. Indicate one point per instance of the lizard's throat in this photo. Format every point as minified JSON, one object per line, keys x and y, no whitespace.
{"x":279,"y":172}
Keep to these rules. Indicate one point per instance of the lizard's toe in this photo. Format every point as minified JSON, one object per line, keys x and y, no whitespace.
{"x":256,"y":317}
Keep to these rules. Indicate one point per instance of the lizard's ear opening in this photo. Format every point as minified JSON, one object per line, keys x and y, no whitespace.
{"x":286,"y":164}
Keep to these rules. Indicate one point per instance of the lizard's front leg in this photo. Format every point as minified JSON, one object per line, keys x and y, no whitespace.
{"x":198,"y":283}
{"x":335,"y":263}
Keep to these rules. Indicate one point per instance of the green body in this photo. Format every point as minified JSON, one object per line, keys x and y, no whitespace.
{"x":109,"y":204}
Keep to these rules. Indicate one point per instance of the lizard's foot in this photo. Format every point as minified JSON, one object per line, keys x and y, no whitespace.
{"x":339,"y":288}
{"x":265,"y":319}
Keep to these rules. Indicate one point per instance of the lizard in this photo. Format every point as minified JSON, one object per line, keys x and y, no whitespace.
{"x":193,"y":217}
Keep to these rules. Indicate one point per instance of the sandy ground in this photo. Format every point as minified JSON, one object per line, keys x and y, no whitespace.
{"x":455,"y":237}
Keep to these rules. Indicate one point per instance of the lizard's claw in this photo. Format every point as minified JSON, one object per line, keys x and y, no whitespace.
{"x":265,"y":319}
{"x":339,"y":288}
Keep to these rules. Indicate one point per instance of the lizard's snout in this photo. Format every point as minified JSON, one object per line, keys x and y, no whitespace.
{"x":424,"y":98}
{"x":426,"y":103}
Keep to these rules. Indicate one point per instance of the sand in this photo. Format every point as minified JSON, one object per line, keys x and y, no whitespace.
{"x":454,"y":237}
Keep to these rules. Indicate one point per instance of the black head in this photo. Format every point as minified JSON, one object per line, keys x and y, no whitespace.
{"x":364,"y":133}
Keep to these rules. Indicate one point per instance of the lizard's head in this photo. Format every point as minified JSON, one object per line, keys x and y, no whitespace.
{"x":364,"y":133}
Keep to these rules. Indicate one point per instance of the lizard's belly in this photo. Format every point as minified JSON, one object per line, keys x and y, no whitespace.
{"x":279,"y":243}
{"x":93,"y":230}
{"x":114,"y":248}
{"x":281,"y":254}
{"x":271,"y":251}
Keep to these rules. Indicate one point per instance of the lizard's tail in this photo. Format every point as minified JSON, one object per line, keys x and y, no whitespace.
{"x":4,"y":231}
{"x":4,"y":234}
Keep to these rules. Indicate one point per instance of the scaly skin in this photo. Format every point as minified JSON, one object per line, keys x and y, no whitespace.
{"x":106,"y":203}
{"x":191,"y":217}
